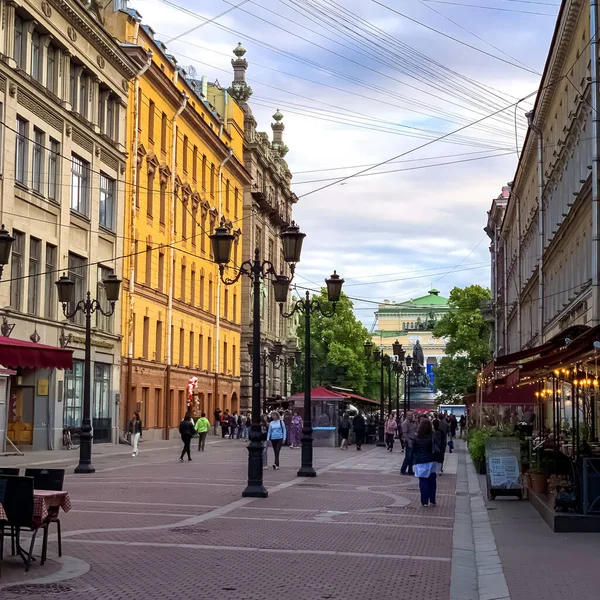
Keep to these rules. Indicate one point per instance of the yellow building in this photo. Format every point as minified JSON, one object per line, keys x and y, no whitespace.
{"x":185,"y":175}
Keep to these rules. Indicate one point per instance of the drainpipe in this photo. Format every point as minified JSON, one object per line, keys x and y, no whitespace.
{"x":495,"y":292}
{"x":170,"y":266}
{"x":595,"y":191}
{"x":505,"y":285}
{"x":218,"y":319}
{"x":133,"y":231}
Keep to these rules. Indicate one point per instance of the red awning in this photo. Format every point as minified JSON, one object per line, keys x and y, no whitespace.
{"x":27,"y":355}
{"x":322,"y":393}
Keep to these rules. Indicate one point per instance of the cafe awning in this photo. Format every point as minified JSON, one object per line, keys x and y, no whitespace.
{"x":27,"y":355}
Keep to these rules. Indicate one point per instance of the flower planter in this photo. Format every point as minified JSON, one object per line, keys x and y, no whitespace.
{"x":539,"y":483}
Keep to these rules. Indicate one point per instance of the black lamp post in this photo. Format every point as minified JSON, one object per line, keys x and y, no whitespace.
{"x":264,"y":357}
{"x":6,"y":242}
{"x":308,"y":306}
{"x":377,"y":357}
{"x":221,"y":241}
{"x":66,"y":295}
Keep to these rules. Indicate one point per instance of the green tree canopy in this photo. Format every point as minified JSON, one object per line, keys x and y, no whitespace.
{"x":467,"y":342}
{"x":337,"y":345}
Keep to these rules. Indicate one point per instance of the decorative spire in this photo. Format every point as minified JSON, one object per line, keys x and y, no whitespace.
{"x":278,"y":128}
{"x":239,"y":89}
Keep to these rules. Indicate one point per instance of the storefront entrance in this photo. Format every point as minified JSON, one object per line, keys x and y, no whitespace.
{"x":20,"y":415}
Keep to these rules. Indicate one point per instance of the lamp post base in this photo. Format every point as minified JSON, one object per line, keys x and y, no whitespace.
{"x":255,"y":491}
{"x":381,"y":436}
{"x":255,"y":487}
{"x":84,"y":468}
{"x":306,"y":472}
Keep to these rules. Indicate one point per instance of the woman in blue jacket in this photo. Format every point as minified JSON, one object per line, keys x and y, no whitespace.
{"x":276,"y":434}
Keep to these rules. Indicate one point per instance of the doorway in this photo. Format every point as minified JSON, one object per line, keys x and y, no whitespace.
{"x":20,"y":415}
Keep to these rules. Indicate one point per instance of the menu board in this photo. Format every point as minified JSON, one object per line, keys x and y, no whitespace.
{"x":503,"y":456}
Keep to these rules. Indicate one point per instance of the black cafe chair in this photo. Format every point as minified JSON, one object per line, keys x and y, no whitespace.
{"x":49,"y":479}
{"x":10,"y":471}
{"x":18,"y":505}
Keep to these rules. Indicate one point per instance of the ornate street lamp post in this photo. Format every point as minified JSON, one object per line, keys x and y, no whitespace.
{"x":66,"y":295}
{"x":6,"y":243}
{"x":398,"y":367}
{"x":377,"y":357}
{"x":258,"y":270}
{"x":308,"y":306}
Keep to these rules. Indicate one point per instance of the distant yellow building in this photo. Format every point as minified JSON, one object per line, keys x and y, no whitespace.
{"x":185,"y":176}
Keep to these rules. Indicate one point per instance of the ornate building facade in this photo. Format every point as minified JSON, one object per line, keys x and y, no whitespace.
{"x":186,"y":176}
{"x":64,"y":95}
{"x":268,"y":203}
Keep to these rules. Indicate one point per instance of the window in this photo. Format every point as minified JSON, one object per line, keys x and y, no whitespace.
{"x":35,"y":258}
{"x":73,"y":395}
{"x":227,"y":196}
{"x":185,"y":153}
{"x":203,"y":171}
{"x":77,"y":274}
{"x":150,"y":195}
{"x":194,"y":226}
{"x":209,"y":354}
{"x":181,"y":346}
{"x":226,"y":304}
{"x":73,"y":77}
{"x":200,"y":351}
{"x":184,"y":219}
{"x":236,"y":199}
{"x":19,"y":49}
{"x":225,"y":357}
{"x":50,"y":278}
{"x":195,"y":163}
{"x":159,"y":334}
{"x":146,"y":340}
{"x":21,"y":151}
{"x":193,"y":289}
{"x":157,"y":406}
{"x":38,"y":161}
{"x":161,"y":271}
{"x":212,"y":180}
{"x":234,"y":307}
{"x":110,"y":118}
{"x":172,"y":342}
{"x":163,"y":203}
{"x":107,"y":201}
{"x":204,"y":234}
{"x":16,"y":269}
{"x":53,"y":174}
{"x":210,"y":296}
{"x":36,"y":56}
{"x":51,"y":69}
{"x":148,"y":265}
{"x":183,"y":278}
{"x":101,"y":406}
{"x":103,"y":322}
{"x":201,"y":291}
{"x":163,"y":133}
{"x":191,"y":350}
{"x":151,"y":110}
{"x":83,"y":95}
{"x":80,"y":185}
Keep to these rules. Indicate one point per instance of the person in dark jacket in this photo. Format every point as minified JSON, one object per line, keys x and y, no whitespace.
{"x":425,"y":464}
{"x":439,"y":445}
{"x":217,"y":415}
{"x":186,"y":429}
{"x":359,"y":427}
{"x":225,"y":424}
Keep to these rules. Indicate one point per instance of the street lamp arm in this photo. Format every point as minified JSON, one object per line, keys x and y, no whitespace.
{"x":244,"y":269}
{"x":299,"y":306}
{"x":107,"y":313}
{"x":80,"y":307}
{"x":315,"y":306}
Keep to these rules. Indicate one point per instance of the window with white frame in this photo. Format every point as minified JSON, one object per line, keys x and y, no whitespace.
{"x":83,"y":94}
{"x":107,"y":201}
{"x":102,"y":322}
{"x":21,"y":151}
{"x":19,"y":48}
{"x":37,"y":165}
{"x":78,"y":275}
{"x":16,"y":270}
{"x":51,"y":68}
{"x":35,"y":258}
{"x":80,"y":170}
{"x":36,"y":56}
{"x":53,"y":170}
{"x":50,"y":278}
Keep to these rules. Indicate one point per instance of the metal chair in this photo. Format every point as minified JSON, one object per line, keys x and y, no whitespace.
{"x":49,"y":479}
{"x":18,"y":505}
{"x":10,"y":471}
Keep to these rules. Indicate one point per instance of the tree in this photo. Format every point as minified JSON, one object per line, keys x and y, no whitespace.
{"x":337,"y":345}
{"x":467,"y":343}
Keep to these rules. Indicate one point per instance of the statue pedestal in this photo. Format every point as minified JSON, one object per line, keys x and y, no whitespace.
{"x":422,"y":397}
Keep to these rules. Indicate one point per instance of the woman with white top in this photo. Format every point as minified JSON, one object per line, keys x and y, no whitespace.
{"x":276,"y":434}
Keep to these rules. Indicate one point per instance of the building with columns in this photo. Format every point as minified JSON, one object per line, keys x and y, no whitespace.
{"x":411,"y":322}
{"x":186,"y":176}
{"x":268,"y":203}
{"x":63,"y":98}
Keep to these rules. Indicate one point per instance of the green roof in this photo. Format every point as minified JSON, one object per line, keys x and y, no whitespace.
{"x":432,"y":299}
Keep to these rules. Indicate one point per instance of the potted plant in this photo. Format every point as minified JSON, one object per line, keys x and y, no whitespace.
{"x":539,"y":481}
{"x":476,"y":443}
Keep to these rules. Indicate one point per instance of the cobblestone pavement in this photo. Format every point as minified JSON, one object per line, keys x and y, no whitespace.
{"x":151,"y":527}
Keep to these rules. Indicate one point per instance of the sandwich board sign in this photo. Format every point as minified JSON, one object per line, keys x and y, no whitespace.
{"x":503,"y":459}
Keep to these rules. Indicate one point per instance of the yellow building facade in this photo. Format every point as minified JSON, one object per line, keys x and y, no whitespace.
{"x":185,"y":176}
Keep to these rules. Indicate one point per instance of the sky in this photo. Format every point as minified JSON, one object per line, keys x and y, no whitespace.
{"x":359,"y":84}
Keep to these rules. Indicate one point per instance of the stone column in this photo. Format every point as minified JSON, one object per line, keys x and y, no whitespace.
{"x":9,"y":28}
{"x":46,"y":39}
{"x":93,"y":110}
{"x":64,"y":77}
{"x":29,"y":28}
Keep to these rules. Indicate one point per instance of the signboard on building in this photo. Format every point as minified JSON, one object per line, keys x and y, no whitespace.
{"x":503,"y":458}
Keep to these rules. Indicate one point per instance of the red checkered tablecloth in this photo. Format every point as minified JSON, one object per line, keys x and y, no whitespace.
{"x":43,"y":500}
{"x":2,"y":514}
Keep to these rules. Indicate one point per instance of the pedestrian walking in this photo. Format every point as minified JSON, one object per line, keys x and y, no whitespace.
{"x":276,"y":435}
{"x":295,"y":430}
{"x":360,"y":426}
{"x":225,"y":424}
{"x":344,"y":429}
{"x":425,"y":462}
{"x":248,"y":426}
{"x":202,"y":426}
{"x":287,"y":421}
{"x":217,"y":421}
{"x":439,"y":444}
{"x":409,"y":433}
{"x":453,"y":426}
{"x":264,"y":428}
{"x":135,"y":432}
{"x":232,"y":425}
{"x":186,"y":430}
{"x":461,"y":424}
{"x":390,"y":432}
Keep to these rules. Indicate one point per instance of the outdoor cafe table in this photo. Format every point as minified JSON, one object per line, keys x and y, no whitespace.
{"x":45,"y":500}
{"x":2,"y":514}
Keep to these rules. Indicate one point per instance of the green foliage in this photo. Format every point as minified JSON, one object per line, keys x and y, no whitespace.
{"x":337,"y":344}
{"x":476,"y":437}
{"x":467,"y":345}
